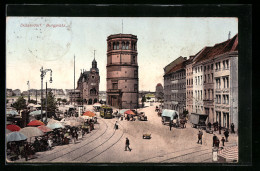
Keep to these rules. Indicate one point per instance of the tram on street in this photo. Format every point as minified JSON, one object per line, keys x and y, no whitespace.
{"x":106,"y":112}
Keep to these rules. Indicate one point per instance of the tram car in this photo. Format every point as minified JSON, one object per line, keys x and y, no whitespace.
{"x":106,"y":112}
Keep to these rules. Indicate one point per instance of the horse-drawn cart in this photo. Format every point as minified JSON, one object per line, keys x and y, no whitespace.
{"x":198,"y":120}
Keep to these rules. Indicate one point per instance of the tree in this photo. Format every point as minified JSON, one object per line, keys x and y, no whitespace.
{"x":19,"y":104}
{"x":64,"y":100}
{"x":51,"y":103}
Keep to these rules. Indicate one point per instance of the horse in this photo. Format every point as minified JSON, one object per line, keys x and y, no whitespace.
{"x":183,"y":123}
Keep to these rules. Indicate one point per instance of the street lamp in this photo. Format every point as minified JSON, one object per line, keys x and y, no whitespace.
{"x":43,"y":73}
{"x":28,"y":83}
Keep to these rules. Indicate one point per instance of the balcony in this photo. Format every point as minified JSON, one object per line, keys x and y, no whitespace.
{"x":114,"y":91}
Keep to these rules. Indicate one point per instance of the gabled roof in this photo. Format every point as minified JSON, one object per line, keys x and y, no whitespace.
{"x":218,"y":49}
{"x":176,"y":67}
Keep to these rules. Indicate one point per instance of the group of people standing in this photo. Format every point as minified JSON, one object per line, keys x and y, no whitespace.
{"x":216,"y":140}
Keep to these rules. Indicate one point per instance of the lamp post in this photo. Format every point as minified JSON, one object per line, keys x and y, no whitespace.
{"x":28,"y":83}
{"x":43,"y":73}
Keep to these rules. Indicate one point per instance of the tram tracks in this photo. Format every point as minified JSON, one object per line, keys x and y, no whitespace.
{"x":102,"y":151}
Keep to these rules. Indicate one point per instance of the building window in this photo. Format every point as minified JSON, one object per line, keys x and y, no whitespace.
{"x":135,"y":87}
{"x":201,"y":79}
{"x":133,"y":60}
{"x":135,"y":74}
{"x":127,"y":45}
{"x":204,"y":68}
{"x":208,"y":78}
{"x":117,"y":45}
{"x":211,"y":66}
{"x":115,"y":85}
{"x":227,"y":64}
{"x":123,"y":45}
{"x":205,"y":78}
{"x":114,"y":45}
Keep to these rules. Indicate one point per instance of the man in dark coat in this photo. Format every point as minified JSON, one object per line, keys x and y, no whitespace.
{"x":200,"y":137}
{"x":209,"y":125}
{"x":232,"y":128}
{"x":127,"y":143}
{"x":170,"y":124}
{"x":214,"y":140}
{"x":226,"y":133}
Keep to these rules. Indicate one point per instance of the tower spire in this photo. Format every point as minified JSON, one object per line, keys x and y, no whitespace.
{"x":229,"y":35}
{"x":94,"y":53}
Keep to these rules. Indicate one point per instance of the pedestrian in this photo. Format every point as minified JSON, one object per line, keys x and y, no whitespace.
{"x":217,"y":142}
{"x":116,"y":126}
{"x":226,"y":133}
{"x":223,"y":141}
{"x":214,"y":140}
{"x":170,"y":125}
{"x":200,"y":137}
{"x":127,"y":143}
{"x":209,"y":125}
{"x":219,"y":129}
{"x":232,"y":128}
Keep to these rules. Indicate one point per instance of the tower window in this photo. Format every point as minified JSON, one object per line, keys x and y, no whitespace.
{"x":133,"y":60}
{"x":127,"y":45}
{"x":123,"y":45}
{"x":114,"y":45}
{"x":117,"y":45}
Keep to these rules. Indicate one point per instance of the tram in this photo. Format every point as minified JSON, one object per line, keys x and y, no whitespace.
{"x":106,"y":112}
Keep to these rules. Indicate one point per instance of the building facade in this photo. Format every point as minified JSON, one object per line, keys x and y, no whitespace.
{"x":189,"y":85}
{"x":88,"y":85}
{"x":175,"y":89}
{"x":122,"y":71}
{"x":226,"y":84}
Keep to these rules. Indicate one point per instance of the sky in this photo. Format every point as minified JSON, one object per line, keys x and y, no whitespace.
{"x":52,"y":43}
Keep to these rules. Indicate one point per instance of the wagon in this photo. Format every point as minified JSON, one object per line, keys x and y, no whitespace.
{"x":147,"y":136}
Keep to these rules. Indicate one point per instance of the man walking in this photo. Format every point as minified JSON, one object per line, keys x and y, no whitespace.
{"x":170,"y":124}
{"x":209,"y":125}
{"x":127,"y":143}
{"x":226,"y":133}
{"x":200,"y":137}
{"x":223,"y":141}
{"x":116,"y":126}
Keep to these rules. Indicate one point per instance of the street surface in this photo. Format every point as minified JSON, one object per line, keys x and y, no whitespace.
{"x":107,"y":145}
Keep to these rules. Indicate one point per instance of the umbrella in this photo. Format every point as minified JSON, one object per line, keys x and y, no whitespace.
{"x":129,"y":112}
{"x":13,"y":128}
{"x":15,"y":136}
{"x":35,"y":123}
{"x":37,"y":112}
{"x":122,"y":111}
{"x":7,"y":131}
{"x":12,"y":113}
{"x":96,"y":104}
{"x":55,"y":125}
{"x":90,"y":114}
{"x":44,"y":128}
{"x":31,"y":132}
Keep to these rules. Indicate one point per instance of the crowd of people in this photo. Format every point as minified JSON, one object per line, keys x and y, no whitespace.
{"x":61,"y":136}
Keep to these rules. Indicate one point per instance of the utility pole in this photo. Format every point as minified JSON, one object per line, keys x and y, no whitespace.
{"x":28,"y":83}
{"x":43,"y":73}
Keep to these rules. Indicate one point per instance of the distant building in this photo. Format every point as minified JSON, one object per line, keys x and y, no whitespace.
{"x":159,"y":92}
{"x":9,"y":92}
{"x":122,"y":71}
{"x":17,"y":92}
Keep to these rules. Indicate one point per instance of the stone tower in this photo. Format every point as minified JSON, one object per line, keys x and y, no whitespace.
{"x":122,"y":71}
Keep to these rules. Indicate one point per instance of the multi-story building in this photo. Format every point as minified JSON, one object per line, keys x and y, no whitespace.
{"x":175,"y":89}
{"x":159,"y":92}
{"x":189,"y":85}
{"x":88,"y":85}
{"x":122,"y":71}
{"x":226,"y":83}
{"x":168,"y":104}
